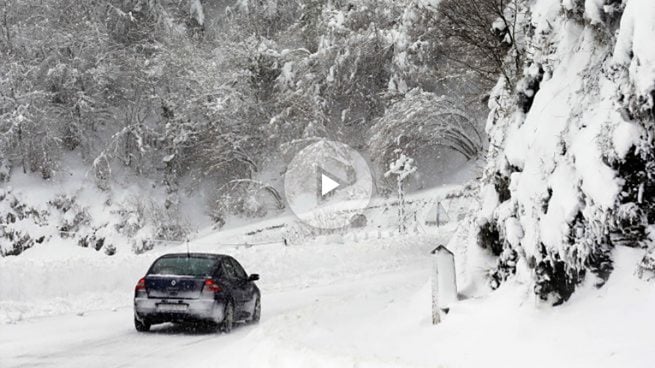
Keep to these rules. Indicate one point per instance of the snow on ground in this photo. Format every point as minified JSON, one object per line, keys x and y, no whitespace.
{"x":611,"y":327}
{"x":291,"y":277}
{"x":376,"y":314}
{"x":60,"y":277}
{"x":41,"y":285}
{"x":360,"y":299}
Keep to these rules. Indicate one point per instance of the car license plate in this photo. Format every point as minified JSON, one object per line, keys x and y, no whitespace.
{"x":172,"y":307}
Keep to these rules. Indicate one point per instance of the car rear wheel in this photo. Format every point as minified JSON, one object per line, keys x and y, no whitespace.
{"x":141,"y":326}
{"x":256,"y":312}
{"x":228,"y":318}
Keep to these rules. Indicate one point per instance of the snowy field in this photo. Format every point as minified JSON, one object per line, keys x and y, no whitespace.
{"x":325,"y":304}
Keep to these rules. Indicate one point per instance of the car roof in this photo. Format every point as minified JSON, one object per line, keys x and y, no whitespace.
{"x":195,"y":255}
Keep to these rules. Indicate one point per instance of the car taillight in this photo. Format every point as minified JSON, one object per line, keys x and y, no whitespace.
{"x":140,"y":285}
{"x":211,"y":287}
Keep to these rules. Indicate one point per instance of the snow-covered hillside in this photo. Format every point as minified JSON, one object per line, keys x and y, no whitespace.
{"x":570,"y":172}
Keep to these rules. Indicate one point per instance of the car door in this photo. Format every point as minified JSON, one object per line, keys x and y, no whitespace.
{"x":235,"y":283}
{"x":247,"y":288}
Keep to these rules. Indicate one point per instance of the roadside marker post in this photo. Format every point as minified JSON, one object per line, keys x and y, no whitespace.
{"x":444,"y":284}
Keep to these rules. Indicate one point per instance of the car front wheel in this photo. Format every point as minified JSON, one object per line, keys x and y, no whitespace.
{"x":256,"y":312}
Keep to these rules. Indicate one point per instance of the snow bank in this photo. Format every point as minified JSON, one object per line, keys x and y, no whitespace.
{"x":55,"y":279}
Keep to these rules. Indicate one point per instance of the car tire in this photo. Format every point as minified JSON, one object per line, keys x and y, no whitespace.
{"x":256,"y":312}
{"x":141,"y":326}
{"x":228,"y":318}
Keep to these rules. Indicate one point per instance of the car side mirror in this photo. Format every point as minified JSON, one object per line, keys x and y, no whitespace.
{"x":253,"y":277}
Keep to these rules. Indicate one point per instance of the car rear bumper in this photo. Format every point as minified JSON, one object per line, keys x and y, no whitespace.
{"x":153,"y":310}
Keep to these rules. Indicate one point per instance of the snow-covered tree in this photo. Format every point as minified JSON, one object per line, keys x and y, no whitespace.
{"x":422,"y":118}
{"x":190,"y":95}
{"x":571,"y":154}
{"x":345,"y":65}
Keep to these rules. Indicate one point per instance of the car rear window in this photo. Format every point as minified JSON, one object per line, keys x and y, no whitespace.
{"x":183,"y":266}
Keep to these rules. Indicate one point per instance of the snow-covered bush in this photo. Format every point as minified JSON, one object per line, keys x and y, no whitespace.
{"x":21,"y":226}
{"x":131,"y":216}
{"x":161,"y":222}
{"x":245,"y":197}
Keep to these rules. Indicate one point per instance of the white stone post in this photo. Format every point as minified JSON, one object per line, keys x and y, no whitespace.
{"x":444,"y":284}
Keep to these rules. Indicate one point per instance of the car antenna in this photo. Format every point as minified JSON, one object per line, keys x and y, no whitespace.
{"x":187,"y":248}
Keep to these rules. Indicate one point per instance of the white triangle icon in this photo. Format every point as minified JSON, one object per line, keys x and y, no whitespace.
{"x":328,"y":184}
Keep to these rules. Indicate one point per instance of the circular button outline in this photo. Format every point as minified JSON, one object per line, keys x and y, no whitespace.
{"x":337,"y":208}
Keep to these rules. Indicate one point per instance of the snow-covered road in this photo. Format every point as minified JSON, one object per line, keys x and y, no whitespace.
{"x":312,"y":316}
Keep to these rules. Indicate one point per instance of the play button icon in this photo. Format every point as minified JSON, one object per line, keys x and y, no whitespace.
{"x":327,"y":183}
